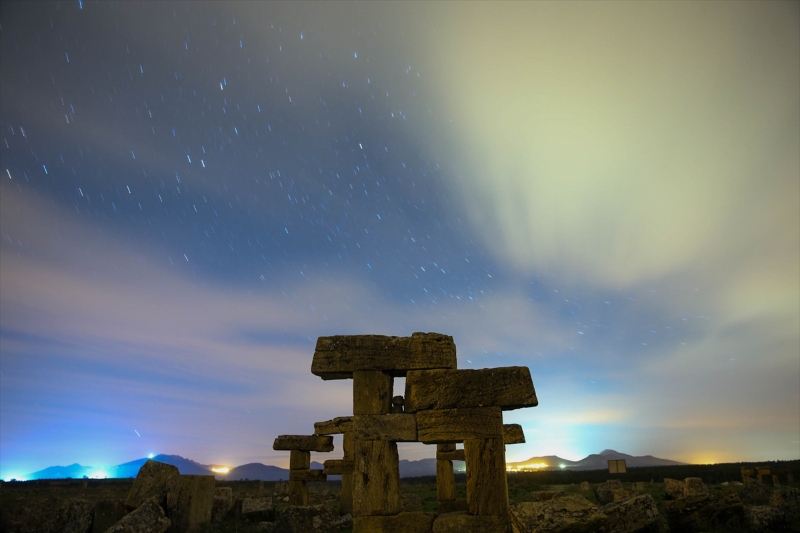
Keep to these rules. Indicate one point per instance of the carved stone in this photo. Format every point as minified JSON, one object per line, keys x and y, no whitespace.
{"x":299,"y":460}
{"x":457,"y":425}
{"x":338,"y":425}
{"x":372,"y":392}
{"x":487,"y":488}
{"x":337,"y":357}
{"x":376,"y":478}
{"x":507,"y":387}
{"x":394,"y":427}
{"x":306,"y":443}
{"x":513,"y":434}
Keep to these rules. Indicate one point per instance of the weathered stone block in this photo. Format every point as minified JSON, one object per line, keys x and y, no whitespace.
{"x":513,"y":434}
{"x":298,"y":492}
{"x":151,"y":481}
{"x":299,"y":460}
{"x":320,"y":518}
{"x":148,"y":517}
{"x":604,"y":492}
{"x":348,"y":443}
{"x":457,"y":425}
{"x":338,"y":425}
{"x":487,"y":488}
{"x":307,"y":475}
{"x":223,"y":503}
{"x":572,"y":513}
{"x":461,"y":522}
{"x":693,"y":486}
{"x":106,"y":514}
{"x":395,"y":427}
{"x":445,"y":481}
{"x":190,"y":500}
{"x":74,"y":516}
{"x":376,"y":478}
{"x":638,"y":514}
{"x":306,"y":443}
{"x":346,"y":496}
{"x":335,"y":467}
{"x":257,"y":509}
{"x":337,"y":357}
{"x":704,"y":511}
{"x":372,"y":392}
{"x":506,"y":387}
{"x":455,"y":455}
{"x":673,"y":488}
{"x":405,"y":522}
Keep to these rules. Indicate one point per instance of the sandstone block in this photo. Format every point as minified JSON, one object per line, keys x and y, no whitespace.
{"x":394,"y":427}
{"x":457,"y":425}
{"x":147,"y":518}
{"x":632,"y":514}
{"x":461,"y":522}
{"x":307,"y":475}
{"x":339,"y":356}
{"x":190,"y":500}
{"x":487,"y":487}
{"x":604,"y":492}
{"x":405,"y":522}
{"x":673,"y":488}
{"x":376,"y":478}
{"x":346,"y":496}
{"x":298,"y":492}
{"x":106,"y":514}
{"x":455,"y":455}
{"x":445,"y":481}
{"x":704,"y":512}
{"x":506,"y":387}
{"x":348,"y":443}
{"x":372,"y":392}
{"x":571,"y":513}
{"x":334,"y":467}
{"x":257,"y":509}
{"x":338,"y":425}
{"x":151,"y":481}
{"x":513,"y":434}
{"x":320,"y":518}
{"x":693,"y":486}
{"x":305,"y":443}
{"x":223,"y":503}
{"x":299,"y":460}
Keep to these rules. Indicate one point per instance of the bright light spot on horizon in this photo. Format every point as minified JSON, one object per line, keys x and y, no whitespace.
{"x":17,"y":478}
{"x":562,"y":466}
{"x":221,"y":469}
{"x":150,"y":456}
{"x":521,"y":468}
{"x":98,"y":475}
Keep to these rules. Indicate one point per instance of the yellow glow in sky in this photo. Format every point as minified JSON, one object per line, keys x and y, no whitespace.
{"x":220,"y":469}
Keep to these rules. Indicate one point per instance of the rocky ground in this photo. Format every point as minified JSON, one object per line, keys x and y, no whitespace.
{"x":249,"y":506}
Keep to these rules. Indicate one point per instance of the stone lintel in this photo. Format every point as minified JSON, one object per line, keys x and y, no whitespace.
{"x":340,"y":424}
{"x":335,"y":467}
{"x":305,"y":443}
{"x":513,"y":434}
{"x":508,"y":387}
{"x":456,"y":425}
{"x":337,"y":357}
{"x":456,"y":455}
{"x":394,"y":427}
{"x":307,"y":475}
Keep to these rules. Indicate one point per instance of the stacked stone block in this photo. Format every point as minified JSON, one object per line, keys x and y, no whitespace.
{"x":300,"y":473}
{"x":442,"y":406}
{"x":341,"y":425}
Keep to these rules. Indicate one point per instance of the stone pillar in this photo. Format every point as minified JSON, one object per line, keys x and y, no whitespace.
{"x":346,"y":498}
{"x":372,"y":392}
{"x":487,"y":486}
{"x":445,"y":478}
{"x":298,"y":490}
{"x":299,"y":447}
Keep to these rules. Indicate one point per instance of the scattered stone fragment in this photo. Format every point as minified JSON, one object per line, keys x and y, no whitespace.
{"x":257,"y":509}
{"x":461,"y":522}
{"x":632,"y":515}
{"x":223,"y":503}
{"x":107,"y":513}
{"x":673,"y":488}
{"x":190,"y":500}
{"x":756,"y":492}
{"x":405,"y":522}
{"x":704,"y":511}
{"x":693,"y":486}
{"x":604,"y":492}
{"x":320,"y":518}
{"x":341,"y":424}
{"x":585,"y":485}
{"x":151,"y":481}
{"x":74,"y":516}
{"x":572,"y":513}
{"x":147,"y":518}
{"x":544,"y":495}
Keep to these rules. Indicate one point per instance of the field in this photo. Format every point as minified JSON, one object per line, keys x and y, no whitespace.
{"x":24,"y":504}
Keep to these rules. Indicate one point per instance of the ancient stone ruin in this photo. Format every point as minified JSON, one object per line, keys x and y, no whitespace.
{"x":442,"y":405}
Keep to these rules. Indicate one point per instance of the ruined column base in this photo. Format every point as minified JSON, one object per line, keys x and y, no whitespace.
{"x":461,"y":522}
{"x":411,"y":522}
{"x":298,"y":493}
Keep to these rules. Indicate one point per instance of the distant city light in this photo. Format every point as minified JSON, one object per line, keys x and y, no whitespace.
{"x":220,"y":469}
{"x":150,"y":456}
{"x":524,"y":468}
{"x":562,"y":466}
{"x":98,"y":475}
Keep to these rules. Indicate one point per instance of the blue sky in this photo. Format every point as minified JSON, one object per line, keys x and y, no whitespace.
{"x":192,"y":193}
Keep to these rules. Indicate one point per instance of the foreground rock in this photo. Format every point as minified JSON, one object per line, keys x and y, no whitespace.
{"x":673,"y":488}
{"x":693,"y":486}
{"x":704,"y":512}
{"x":223,"y":503}
{"x":320,"y":518}
{"x":189,"y":502}
{"x":604,"y":492}
{"x":147,"y":518}
{"x":573,"y":514}
{"x":545,"y":495}
{"x":405,"y":522}
{"x":257,"y":509}
{"x":107,"y":513}
{"x":756,"y":492}
{"x":151,"y":481}
{"x":632,"y":515}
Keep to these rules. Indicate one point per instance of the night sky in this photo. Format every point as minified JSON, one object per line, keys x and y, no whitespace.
{"x":192,"y":193}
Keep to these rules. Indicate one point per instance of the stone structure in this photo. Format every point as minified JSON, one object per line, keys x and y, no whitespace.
{"x":442,"y":406}
{"x":300,"y":473}
{"x":760,"y":471}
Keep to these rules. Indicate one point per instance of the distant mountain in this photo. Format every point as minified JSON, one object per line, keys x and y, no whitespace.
{"x":59,"y":472}
{"x":596,"y":461}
